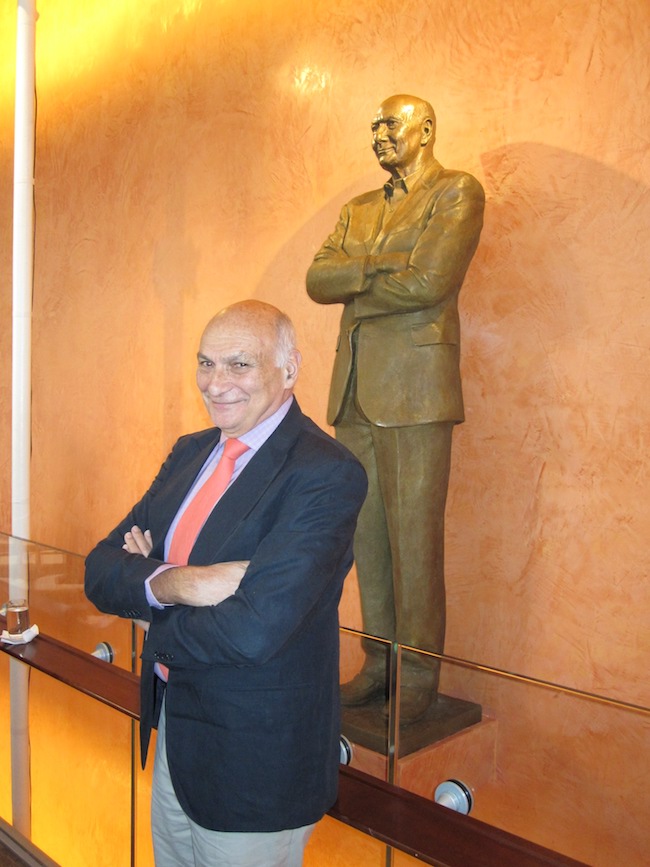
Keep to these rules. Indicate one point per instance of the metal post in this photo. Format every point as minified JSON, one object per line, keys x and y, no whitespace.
{"x":23,"y":270}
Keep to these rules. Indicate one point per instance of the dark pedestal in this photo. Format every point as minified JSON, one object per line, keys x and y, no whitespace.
{"x":367,"y":726}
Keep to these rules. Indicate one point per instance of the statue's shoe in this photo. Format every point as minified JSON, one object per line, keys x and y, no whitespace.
{"x":361,"y":689}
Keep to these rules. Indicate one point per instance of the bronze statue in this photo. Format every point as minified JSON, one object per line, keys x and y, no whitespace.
{"x":396,"y":261}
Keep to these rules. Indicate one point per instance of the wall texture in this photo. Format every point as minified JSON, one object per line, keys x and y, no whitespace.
{"x":191,"y":153}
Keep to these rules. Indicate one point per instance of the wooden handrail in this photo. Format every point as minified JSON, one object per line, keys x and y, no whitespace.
{"x":100,"y":680}
{"x":432,"y":833}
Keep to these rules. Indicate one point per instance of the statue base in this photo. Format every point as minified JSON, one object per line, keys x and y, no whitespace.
{"x":367,"y":726}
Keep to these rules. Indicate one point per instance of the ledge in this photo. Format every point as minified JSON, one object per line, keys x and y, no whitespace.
{"x":431,"y":833}
{"x":100,"y":680}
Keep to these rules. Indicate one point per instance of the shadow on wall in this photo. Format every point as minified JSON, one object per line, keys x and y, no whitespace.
{"x":547,"y":498}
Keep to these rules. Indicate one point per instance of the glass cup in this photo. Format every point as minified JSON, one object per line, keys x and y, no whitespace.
{"x":17,"y":616}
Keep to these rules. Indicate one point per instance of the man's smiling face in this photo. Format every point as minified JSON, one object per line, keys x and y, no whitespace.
{"x":399,"y":132}
{"x":239,"y":375}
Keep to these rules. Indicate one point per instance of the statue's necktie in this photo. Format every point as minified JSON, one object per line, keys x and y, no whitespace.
{"x":203,"y":502}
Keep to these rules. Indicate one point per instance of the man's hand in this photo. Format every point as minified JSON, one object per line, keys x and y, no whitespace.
{"x":137,"y":542}
{"x":198,"y":586}
{"x":386,"y":262}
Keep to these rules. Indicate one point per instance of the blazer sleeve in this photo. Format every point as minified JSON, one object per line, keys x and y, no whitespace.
{"x":335,"y":277}
{"x":115,"y":580}
{"x":439,"y":252}
{"x":300,"y":559}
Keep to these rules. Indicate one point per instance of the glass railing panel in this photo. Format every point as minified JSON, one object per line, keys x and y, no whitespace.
{"x":57,"y":603}
{"x":366,"y":724}
{"x":5,"y":740}
{"x":554,"y":765}
{"x":558,"y":767}
{"x":81,"y":757}
{"x":607,"y":660}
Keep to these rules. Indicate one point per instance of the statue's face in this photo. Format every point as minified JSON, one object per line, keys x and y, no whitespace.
{"x":397,"y":135}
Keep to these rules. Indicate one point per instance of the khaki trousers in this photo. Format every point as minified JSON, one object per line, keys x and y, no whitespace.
{"x":180,"y":842}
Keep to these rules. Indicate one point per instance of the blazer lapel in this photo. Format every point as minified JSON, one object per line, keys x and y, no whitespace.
{"x":403,"y":211}
{"x":178,"y":484}
{"x":247,"y":490}
{"x":367,"y":222}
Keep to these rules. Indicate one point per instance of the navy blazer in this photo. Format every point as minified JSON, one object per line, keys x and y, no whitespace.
{"x":252,"y":702}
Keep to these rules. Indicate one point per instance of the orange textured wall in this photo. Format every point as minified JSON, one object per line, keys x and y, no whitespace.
{"x":192,"y":153}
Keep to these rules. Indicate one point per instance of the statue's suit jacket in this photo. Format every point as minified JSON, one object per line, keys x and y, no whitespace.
{"x":252,"y":702}
{"x":404,"y":324}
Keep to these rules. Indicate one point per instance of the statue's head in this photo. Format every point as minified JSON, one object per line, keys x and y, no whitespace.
{"x":403,"y":134}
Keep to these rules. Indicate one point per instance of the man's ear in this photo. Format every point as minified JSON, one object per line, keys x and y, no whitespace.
{"x":292,"y":366}
{"x":427,"y":131}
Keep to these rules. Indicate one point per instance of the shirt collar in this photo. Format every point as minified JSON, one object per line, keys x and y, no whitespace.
{"x":257,"y":436}
{"x":401,"y":183}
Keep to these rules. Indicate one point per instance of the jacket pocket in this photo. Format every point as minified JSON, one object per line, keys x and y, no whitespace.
{"x":431,"y":333}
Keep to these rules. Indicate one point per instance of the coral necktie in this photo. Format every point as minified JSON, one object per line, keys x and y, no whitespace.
{"x":197,"y":511}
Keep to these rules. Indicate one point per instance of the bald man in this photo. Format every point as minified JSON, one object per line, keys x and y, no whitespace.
{"x":396,"y":262}
{"x":240,"y":589}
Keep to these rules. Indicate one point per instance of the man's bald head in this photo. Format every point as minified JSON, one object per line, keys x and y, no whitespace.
{"x":258,"y":316}
{"x":403,"y":131}
{"x":247,"y":365}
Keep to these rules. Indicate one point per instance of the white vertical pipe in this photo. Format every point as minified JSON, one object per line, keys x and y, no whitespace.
{"x":23,"y":271}
{"x":23,"y":267}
